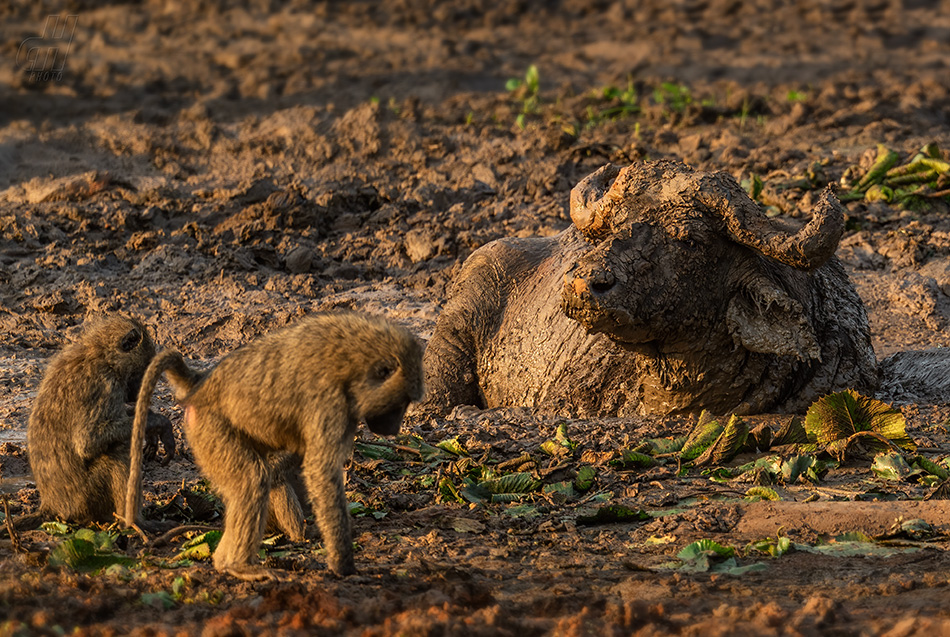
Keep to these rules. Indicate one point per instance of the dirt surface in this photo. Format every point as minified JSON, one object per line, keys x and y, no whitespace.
{"x":222,"y":168}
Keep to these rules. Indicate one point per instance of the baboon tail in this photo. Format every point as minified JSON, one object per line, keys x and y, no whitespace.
{"x":28,"y":522}
{"x":182,"y":379}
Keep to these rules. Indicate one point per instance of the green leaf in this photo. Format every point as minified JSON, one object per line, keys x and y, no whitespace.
{"x":476,"y":493}
{"x":630,"y":459}
{"x":699,"y":555}
{"x":704,"y":434}
{"x":532,"y":79}
{"x":791,"y":433}
{"x":886,"y":158}
{"x":731,"y":567}
{"x":719,"y":474}
{"x":427,"y":452}
{"x":561,"y":491}
{"x":611,"y":513}
{"x":727,"y":445}
{"x":762,"y":493}
{"x":759,"y":439}
{"x":360,"y":510}
{"x":82,"y":555}
{"x":55,"y":528}
{"x":178,"y":587}
{"x":449,"y":493}
{"x":211,"y":538}
{"x":452,"y":445}
{"x":843,"y":414}
{"x":848,"y":548}
{"x":753,"y":186}
{"x":807,"y":468}
{"x":376,"y":452}
{"x":522,"y":482}
{"x":917,"y":529}
{"x":200,"y":547}
{"x":664,"y":446}
{"x":560,"y":435}
{"x":527,"y":511}
{"x":71,"y":552}
{"x":160,"y":600}
{"x":705,"y":547}
{"x":931,"y":467}
{"x":891,"y":466}
{"x":775,"y":547}
{"x":585,"y":478}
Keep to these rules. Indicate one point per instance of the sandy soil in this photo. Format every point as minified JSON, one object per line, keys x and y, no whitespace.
{"x":221,"y":168}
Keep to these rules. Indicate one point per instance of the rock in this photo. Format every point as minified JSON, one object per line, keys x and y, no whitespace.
{"x":299,"y":260}
{"x":420,"y":246}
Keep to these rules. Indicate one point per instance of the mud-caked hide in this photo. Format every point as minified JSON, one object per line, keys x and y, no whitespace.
{"x":670,"y":293}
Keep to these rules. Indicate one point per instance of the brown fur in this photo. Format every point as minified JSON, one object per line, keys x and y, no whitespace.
{"x":300,"y":390}
{"x":79,"y":430}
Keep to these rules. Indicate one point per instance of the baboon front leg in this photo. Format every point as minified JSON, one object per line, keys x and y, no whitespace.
{"x":323,"y":473}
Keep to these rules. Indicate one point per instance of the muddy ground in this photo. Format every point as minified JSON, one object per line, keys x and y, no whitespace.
{"x":222,"y":168}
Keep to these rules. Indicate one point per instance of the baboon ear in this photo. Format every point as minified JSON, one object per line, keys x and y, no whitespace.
{"x":762,"y":317}
{"x":131,"y":340}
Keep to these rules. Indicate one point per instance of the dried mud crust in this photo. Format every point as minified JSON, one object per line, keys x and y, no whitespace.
{"x":222,"y":168}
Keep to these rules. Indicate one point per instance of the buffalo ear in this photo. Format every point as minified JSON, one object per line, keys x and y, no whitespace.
{"x":763,"y":318}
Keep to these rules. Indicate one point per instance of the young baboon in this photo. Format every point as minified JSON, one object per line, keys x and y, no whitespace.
{"x":301,"y":390}
{"x":79,"y":430}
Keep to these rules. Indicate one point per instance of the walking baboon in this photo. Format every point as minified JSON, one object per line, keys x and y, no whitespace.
{"x":301,"y":390}
{"x":79,"y":430}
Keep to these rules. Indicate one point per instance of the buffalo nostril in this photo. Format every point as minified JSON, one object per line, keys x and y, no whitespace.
{"x":602,"y":282}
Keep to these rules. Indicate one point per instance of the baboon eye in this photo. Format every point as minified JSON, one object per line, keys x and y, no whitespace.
{"x":130,"y":341}
{"x":383,"y":371}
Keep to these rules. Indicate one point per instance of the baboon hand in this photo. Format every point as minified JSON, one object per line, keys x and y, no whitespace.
{"x":158,"y":428}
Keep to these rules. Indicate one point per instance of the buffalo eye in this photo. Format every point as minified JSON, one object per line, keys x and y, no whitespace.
{"x":130,"y":341}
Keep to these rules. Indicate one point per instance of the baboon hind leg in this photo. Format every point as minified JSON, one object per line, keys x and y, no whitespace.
{"x":106,"y":482}
{"x":286,"y":496}
{"x":241,"y":476}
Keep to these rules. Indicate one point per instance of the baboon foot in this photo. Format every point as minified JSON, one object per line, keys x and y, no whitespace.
{"x":344,"y":568}
{"x":250,"y":573}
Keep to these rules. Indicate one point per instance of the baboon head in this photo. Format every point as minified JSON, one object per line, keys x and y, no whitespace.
{"x":126,"y":346}
{"x":390,"y":377}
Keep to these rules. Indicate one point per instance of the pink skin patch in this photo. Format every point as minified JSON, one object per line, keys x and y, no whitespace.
{"x":189,"y":416}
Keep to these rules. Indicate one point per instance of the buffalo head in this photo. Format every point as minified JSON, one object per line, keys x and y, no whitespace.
{"x":673,"y":257}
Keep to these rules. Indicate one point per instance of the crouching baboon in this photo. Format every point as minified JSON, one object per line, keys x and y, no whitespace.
{"x":301,"y":390}
{"x":79,"y":430}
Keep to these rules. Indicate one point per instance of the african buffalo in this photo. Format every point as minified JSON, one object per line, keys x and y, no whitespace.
{"x":671,"y":292}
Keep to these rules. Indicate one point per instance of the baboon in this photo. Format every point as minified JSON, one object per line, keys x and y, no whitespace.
{"x":301,"y":390}
{"x":80,"y":428}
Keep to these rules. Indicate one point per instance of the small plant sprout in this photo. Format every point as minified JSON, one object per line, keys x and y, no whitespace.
{"x":619,"y":103}
{"x":525,"y":91}
{"x":675,"y":96}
